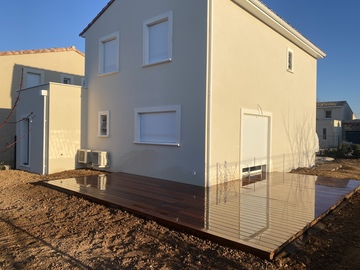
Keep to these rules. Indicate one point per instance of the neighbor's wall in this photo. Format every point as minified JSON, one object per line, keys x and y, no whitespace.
{"x":31,"y":103}
{"x":337,"y":113}
{"x":249,"y":71}
{"x":54,"y":135}
{"x":333,"y":132}
{"x":179,"y":82}
{"x":64,"y":126}
{"x":52,"y":64}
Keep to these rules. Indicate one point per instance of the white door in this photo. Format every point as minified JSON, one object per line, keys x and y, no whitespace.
{"x":254,"y":143}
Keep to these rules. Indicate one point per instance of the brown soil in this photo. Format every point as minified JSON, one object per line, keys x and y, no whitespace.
{"x":41,"y":228}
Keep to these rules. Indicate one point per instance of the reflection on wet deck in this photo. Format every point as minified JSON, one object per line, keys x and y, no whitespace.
{"x":260,"y":216}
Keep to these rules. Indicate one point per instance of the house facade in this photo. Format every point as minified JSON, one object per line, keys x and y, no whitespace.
{"x":198,"y":91}
{"x":61,"y":65}
{"x":330,"y":116}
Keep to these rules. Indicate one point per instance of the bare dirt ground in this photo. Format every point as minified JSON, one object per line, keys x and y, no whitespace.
{"x":41,"y":228}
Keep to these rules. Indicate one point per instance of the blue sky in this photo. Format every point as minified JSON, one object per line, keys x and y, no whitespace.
{"x":36,"y":24}
{"x":334,"y":26}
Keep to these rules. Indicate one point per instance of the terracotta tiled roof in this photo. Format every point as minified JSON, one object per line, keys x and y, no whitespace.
{"x":330,"y":104}
{"x":72,"y":48}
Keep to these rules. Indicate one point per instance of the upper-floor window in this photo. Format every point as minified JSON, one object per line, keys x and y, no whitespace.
{"x":290,"y":60}
{"x":158,"y":39}
{"x":109,"y":54}
{"x":67,"y":79}
{"x":327,"y":114}
{"x":33,"y":77}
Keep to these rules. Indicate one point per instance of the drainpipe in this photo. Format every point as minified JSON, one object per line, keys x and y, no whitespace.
{"x":209,"y":90}
{"x":45,"y":169}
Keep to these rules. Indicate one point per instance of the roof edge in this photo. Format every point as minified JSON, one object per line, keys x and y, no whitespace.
{"x":96,"y":17}
{"x":331,"y":104}
{"x":264,"y":14}
{"x":49,"y":50}
{"x":270,"y":18}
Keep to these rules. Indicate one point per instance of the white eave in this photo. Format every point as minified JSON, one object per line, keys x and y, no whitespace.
{"x":267,"y":16}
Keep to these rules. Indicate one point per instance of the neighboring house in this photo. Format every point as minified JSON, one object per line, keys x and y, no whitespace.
{"x":351,"y":131}
{"x":198,"y":92}
{"x":48,"y":128}
{"x":62,"y":65}
{"x":329,"y":118}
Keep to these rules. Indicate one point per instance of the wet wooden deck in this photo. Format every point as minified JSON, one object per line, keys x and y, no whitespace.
{"x":259,"y":217}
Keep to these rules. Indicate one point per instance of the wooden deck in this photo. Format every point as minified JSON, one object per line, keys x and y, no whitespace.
{"x":260,"y":217}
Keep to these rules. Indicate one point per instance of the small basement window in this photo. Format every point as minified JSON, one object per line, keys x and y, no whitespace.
{"x":103,"y":124}
{"x":158,"y":125}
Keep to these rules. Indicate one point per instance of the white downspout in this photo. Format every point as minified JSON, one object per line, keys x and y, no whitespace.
{"x":209,"y":91}
{"x":45,"y":169}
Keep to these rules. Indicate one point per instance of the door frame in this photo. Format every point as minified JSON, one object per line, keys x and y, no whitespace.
{"x":261,"y":113}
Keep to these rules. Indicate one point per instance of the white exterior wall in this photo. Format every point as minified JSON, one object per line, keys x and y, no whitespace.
{"x":249,"y":72}
{"x":64,"y":126}
{"x":333,"y":132}
{"x":179,"y":82}
{"x":31,"y":101}
{"x":336,"y":113}
{"x":54,"y":128}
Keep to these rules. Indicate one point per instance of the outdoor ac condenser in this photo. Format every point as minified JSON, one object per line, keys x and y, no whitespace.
{"x":100,"y":159}
{"x":84,"y":156}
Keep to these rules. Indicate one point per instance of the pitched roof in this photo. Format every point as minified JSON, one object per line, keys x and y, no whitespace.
{"x":97,"y":16}
{"x":258,"y":9}
{"x":330,"y":104}
{"x":65,"y":49}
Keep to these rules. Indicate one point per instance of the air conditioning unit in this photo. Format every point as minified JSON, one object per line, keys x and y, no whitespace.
{"x":99,"y":158}
{"x":84,"y":156}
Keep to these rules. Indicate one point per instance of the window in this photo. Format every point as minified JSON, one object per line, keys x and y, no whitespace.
{"x":324,"y":133}
{"x":109,"y":54}
{"x":290,"y":60}
{"x":103,"y":124}
{"x":158,"y":39}
{"x":33,"y":77}
{"x":158,"y":125}
{"x":327,"y":114}
{"x":67,"y":79}
{"x":25,"y":128}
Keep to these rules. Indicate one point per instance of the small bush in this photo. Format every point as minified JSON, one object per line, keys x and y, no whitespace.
{"x":343,"y":150}
{"x":355,"y":150}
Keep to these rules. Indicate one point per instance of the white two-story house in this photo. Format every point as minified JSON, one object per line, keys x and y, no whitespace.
{"x":188,"y":90}
{"x":329,"y":119}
